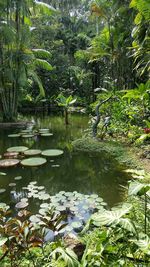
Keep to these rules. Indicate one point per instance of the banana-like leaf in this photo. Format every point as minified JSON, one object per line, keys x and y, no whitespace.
{"x":37,"y":80}
{"x":41,"y":53}
{"x":43,"y":64}
{"x":45,"y":8}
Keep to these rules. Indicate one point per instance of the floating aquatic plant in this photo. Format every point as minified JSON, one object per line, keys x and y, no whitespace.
{"x":52,"y":152}
{"x":5,"y":163}
{"x":32,"y":152}
{"x":33,"y":162}
{"x":14,"y":135}
{"x":17,"y":178}
{"x":17,"y":149}
{"x":2,"y":190}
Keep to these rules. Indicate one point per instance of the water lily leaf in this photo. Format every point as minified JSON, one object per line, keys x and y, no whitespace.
{"x":24,"y":200}
{"x":94,"y":196}
{"x":2,"y":190}
{"x":14,"y":135}
{"x":42,"y":212}
{"x":99,"y":199}
{"x":17,"y":178}
{"x":12,"y":184}
{"x":17,"y":149}
{"x":32,"y":152}
{"x":3,"y":173}
{"x":44,"y":205}
{"x":26,"y":131}
{"x":34,"y":219}
{"x":33,"y":162}
{"x":33,"y":183}
{"x":41,"y":187}
{"x":5,"y":163}
{"x":76,"y":225}
{"x":68,"y":194}
{"x":60,"y":208}
{"x":55,"y":166}
{"x":103,"y":203}
{"x":44,"y":196}
{"x":28,"y":135}
{"x":46,"y":134}
{"x":11,"y":155}
{"x":21,"y":205}
{"x":3,"y":240}
{"x":52,"y":152}
{"x":13,"y":192}
{"x":43,"y":130}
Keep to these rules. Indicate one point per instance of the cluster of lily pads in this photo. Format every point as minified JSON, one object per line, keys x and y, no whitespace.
{"x":76,"y":206}
{"x":15,"y":155}
{"x":29,"y":133}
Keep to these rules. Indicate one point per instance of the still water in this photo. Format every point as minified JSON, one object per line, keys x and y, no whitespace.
{"x":84,"y":172}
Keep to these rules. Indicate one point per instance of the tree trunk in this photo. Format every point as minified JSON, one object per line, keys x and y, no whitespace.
{"x":66,"y":116}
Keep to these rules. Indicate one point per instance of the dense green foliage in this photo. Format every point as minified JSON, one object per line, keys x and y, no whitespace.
{"x":90,"y":44}
{"x":96,"y":55}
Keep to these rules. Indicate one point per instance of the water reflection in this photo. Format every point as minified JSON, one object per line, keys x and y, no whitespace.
{"x":74,"y":171}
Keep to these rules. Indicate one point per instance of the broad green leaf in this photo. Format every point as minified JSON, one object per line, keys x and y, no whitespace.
{"x":45,"y":8}
{"x":41,"y":53}
{"x":127,"y":225}
{"x":138,"y":188}
{"x":109,"y":217}
{"x":43,"y":64}
{"x":143,"y":244}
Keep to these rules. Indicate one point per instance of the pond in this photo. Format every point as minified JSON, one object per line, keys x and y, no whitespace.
{"x":86,"y":173}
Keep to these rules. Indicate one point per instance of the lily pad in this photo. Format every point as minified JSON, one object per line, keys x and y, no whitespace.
{"x":28,"y":135}
{"x":17,"y":178}
{"x":55,"y":166}
{"x":11,"y":155}
{"x":3,"y":173}
{"x":24,"y":200}
{"x":5,"y":163}
{"x":14,"y":135}
{"x":43,"y":196}
{"x":21,"y":205}
{"x":44,"y":205}
{"x":17,"y":149}
{"x":33,"y":162}
{"x":26,"y":131}
{"x":52,"y":152}
{"x":12,"y":184}
{"x":34,"y":219}
{"x":32,"y":152}
{"x":2,"y":190}
{"x":44,"y":130}
{"x":46,"y":134}
{"x":76,"y":225}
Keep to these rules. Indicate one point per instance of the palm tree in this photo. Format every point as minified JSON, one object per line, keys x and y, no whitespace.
{"x":18,"y":62}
